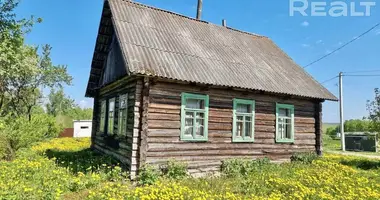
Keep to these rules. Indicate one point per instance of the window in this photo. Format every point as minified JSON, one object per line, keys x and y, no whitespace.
{"x":102,"y":117}
{"x":243,"y":120}
{"x":111,"y":111}
{"x":284,"y":123}
{"x":123,"y":105}
{"x":194,"y":117}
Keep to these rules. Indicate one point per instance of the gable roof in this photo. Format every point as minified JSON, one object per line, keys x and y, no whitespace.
{"x":164,"y":44}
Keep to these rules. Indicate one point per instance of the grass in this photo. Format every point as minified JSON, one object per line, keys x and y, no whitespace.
{"x":330,"y":144}
{"x":66,"y":169}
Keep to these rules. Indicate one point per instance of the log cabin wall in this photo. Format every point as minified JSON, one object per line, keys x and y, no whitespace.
{"x":122,"y":148}
{"x":163,"y":137}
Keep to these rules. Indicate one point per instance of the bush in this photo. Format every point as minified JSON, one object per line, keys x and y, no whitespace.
{"x":174,"y":169}
{"x":21,"y":133}
{"x":243,"y":167}
{"x":305,"y":158}
{"x":148,"y":175}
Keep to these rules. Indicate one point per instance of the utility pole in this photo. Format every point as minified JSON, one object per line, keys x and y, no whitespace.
{"x":342,"y":137}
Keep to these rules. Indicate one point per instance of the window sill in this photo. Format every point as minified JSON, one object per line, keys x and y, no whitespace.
{"x":194,"y":139}
{"x":243,"y":141}
{"x":285,"y":141}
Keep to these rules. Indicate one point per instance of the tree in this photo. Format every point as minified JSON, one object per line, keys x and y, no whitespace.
{"x":59,"y":103}
{"x":24,"y":74}
{"x":357,"y":125}
{"x":373,"y":108}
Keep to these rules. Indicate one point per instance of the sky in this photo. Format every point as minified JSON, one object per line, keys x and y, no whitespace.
{"x":70,"y":27}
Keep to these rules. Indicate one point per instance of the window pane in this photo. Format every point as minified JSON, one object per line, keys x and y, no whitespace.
{"x":248,"y":129}
{"x":239,"y":118}
{"x":188,"y":130}
{"x":195,"y":103}
{"x":122,"y":121}
{"x":123,"y":103}
{"x":199,"y":125}
{"x":112,"y":106}
{"x":239,"y":129}
{"x":200,"y":115}
{"x":243,"y":108}
{"x":189,"y":122}
{"x":189,"y":114}
{"x":248,"y":119}
{"x":281,"y":130}
{"x":283,"y":112}
{"x":288,"y":129}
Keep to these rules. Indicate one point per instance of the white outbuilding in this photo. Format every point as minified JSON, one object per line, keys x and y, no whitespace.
{"x":82,"y":128}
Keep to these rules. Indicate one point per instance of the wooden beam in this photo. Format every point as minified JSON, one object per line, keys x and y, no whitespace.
{"x":144,"y":122}
{"x":318,"y":129}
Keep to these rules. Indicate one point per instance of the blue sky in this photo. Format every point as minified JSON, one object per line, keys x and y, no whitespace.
{"x":70,"y":27}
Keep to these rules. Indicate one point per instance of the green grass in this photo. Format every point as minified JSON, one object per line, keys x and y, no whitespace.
{"x":330,"y":144}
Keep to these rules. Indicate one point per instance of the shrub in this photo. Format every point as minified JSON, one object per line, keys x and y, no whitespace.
{"x":242,"y":167}
{"x":21,"y":133}
{"x":305,"y":158}
{"x":174,"y":169}
{"x":148,"y":175}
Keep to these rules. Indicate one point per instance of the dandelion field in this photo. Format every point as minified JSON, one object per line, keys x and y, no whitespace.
{"x":67,"y":169}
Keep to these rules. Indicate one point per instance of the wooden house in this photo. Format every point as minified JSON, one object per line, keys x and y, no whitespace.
{"x":170,"y":86}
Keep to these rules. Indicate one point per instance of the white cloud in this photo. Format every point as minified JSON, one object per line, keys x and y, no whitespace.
{"x":85,"y":103}
{"x":306,"y":45}
{"x":328,"y":51}
{"x":305,"y":24}
{"x":319,"y":42}
{"x":356,"y":37}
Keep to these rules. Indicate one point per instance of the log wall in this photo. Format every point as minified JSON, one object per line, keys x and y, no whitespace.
{"x":125,"y":148}
{"x":163,"y":136}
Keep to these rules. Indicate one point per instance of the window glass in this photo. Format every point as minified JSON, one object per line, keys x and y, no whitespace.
{"x":194,"y":114}
{"x":243,"y":120}
{"x":285,"y":123}
{"x":194,"y":103}
{"x":102,"y":116}
{"x":123,"y":115}
{"x":111,"y":109}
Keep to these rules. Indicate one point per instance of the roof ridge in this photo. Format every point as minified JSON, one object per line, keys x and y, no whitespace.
{"x":190,"y":18}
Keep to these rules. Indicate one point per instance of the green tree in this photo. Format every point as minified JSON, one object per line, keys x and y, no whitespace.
{"x":357,"y":125}
{"x":373,"y":108}
{"x":59,"y":103}
{"x":24,"y":74}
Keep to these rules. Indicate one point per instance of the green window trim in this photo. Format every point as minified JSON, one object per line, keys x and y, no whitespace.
{"x":194,"y":112}
{"x":102,"y":116}
{"x":245,"y":119}
{"x":279,"y":138}
{"x":111,"y":117}
{"x":123,"y":115}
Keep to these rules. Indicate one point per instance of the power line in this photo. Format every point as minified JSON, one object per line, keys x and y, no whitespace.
{"x":329,"y":79}
{"x":353,"y":72}
{"x":364,"y":75}
{"x":344,"y":45}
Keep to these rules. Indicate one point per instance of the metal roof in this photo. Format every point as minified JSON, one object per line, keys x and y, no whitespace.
{"x":164,"y":44}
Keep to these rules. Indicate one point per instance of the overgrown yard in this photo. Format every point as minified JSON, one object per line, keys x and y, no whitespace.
{"x":67,"y":169}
